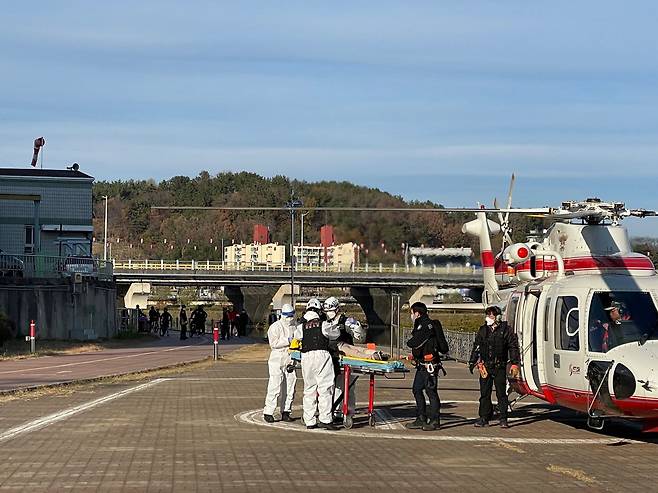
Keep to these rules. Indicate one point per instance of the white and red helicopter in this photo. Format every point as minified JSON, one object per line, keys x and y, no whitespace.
{"x":583,"y":306}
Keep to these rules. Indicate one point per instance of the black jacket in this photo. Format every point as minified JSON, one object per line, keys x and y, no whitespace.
{"x":427,"y":338}
{"x":495,"y":346}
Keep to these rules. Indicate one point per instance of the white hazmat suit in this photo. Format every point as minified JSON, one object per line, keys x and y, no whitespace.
{"x":318,"y":373}
{"x":281,"y":383}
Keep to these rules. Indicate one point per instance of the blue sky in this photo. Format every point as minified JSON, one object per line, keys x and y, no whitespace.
{"x":429,"y":100}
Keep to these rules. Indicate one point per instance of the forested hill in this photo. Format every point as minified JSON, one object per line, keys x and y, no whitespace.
{"x":138,"y":231}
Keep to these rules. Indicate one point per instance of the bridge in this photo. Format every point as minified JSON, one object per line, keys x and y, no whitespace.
{"x":217,"y":273}
{"x":254,"y":286}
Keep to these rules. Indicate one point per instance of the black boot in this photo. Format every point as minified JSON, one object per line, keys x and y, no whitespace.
{"x":285,"y":416}
{"x":481,"y":423}
{"x":326,"y":426}
{"x":503,"y":423}
{"x":418,"y":424}
{"x":269,"y":418}
{"x":431,"y":425}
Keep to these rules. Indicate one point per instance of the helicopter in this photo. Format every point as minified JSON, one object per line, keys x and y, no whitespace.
{"x":583,"y":306}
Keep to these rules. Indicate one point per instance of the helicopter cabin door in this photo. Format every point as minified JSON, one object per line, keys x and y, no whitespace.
{"x":567,"y":380}
{"x":528,"y":341}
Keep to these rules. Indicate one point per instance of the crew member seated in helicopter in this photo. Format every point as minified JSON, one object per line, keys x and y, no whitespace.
{"x":602,"y":334}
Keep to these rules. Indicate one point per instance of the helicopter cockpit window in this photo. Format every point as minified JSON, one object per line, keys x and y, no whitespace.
{"x":567,"y":327}
{"x":621,"y":317}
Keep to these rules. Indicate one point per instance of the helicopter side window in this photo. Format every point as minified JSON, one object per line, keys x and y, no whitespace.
{"x":567,"y":327}
{"x":621,"y":317}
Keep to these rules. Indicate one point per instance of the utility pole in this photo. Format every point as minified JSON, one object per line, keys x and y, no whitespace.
{"x":105,"y":232}
{"x":292,"y":205}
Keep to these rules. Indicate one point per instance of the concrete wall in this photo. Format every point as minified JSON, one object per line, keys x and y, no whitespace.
{"x":61,"y":309}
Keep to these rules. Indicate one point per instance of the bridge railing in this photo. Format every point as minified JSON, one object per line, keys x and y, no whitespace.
{"x":219,"y":266}
{"x":48,"y":266}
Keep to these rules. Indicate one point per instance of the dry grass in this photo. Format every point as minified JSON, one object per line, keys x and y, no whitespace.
{"x":577,"y":474}
{"x":252,"y":353}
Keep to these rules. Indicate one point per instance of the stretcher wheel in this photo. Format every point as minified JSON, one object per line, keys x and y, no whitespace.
{"x":348,"y":422}
{"x":371,"y":420}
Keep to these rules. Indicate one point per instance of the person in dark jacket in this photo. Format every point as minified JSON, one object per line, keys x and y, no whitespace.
{"x":225,"y":325}
{"x":182,"y":320}
{"x":165,"y":322}
{"x":495,"y":345}
{"x":426,"y":342}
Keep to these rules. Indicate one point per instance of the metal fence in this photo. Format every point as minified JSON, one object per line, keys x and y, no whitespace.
{"x":459,"y":343}
{"x":216,"y":265}
{"x":45,"y":266}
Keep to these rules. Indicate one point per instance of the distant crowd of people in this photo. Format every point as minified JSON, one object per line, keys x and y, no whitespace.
{"x":233,"y":323}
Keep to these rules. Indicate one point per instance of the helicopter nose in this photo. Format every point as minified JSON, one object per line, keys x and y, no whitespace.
{"x":623,"y":382}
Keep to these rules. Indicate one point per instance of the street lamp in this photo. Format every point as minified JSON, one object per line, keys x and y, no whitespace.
{"x":292,"y":205}
{"x":302,"y":238}
{"x":105,"y":232}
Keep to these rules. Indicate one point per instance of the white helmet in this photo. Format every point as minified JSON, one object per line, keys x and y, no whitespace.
{"x":331,"y":304}
{"x":287,"y":310}
{"x":313,"y":304}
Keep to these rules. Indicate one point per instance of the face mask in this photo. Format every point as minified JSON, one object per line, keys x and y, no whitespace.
{"x":490,"y":320}
{"x":331,"y":315}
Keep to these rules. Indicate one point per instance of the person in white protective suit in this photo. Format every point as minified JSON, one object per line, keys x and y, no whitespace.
{"x":317,"y":367}
{"x":281,"y":383}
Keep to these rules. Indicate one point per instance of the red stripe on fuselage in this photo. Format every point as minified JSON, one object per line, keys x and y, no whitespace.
{"x":591,"y":263}
{"x":487,"y":259}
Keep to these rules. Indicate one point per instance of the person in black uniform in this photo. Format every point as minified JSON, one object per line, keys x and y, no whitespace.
{"x":495,"y":345}
{"x":427,"y":341}
{"x":165,"y":322}
{"x":182,"y":320}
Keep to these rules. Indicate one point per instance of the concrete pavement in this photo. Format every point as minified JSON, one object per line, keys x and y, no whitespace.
{"x":202,"y":431}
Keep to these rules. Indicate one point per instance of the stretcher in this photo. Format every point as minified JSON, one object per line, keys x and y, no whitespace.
{"x":360,"y":366}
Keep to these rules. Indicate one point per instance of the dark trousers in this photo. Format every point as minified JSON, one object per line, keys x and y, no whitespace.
{"x":226,"y":334}
{"x":499,"y":379}
{"x":426,"y":383}
{"x":183,"y":331}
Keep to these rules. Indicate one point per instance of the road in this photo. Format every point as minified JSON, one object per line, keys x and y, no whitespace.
{"x":50,"y":370}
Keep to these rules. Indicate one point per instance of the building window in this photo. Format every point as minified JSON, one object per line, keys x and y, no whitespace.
{"x":29,"y":240}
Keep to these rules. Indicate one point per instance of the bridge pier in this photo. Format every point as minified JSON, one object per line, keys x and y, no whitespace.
{"x":376,"y":304}
{"x":283,"y":296}
{"x":137,"y":294}
{"x":255,"y":300}
{"x":424,"y":294}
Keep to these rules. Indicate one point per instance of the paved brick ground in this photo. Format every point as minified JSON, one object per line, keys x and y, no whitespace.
{"x":193,"y":432}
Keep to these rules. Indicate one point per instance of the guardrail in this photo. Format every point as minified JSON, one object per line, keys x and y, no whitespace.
{"x":459,"y":343}
{"x":214,"y":265}
{"x":47,"y":266}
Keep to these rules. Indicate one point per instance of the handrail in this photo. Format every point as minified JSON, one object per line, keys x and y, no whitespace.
{"x":219,"y":266}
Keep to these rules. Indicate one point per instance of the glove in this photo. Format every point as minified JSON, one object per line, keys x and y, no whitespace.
{"x":514,"y":371}
{"x":471,"y":367}
{"x":341,"y":319}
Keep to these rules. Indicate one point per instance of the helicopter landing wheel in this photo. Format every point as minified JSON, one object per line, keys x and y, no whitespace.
{"x":348,"y":422}
{"x":371,"y":420}
{"x":595,"y":423}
